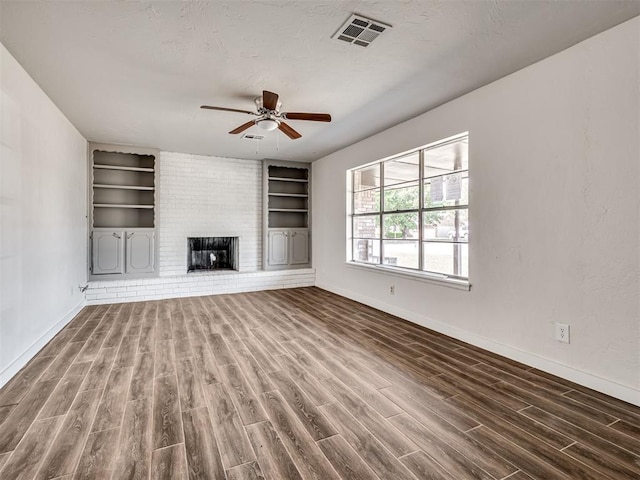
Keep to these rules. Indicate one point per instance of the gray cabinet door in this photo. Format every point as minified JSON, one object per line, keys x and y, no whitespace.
{"x":299,"y":247}
{"x":107,"y":252}
{"x":140,"y":252}
{"x":278,"y":248}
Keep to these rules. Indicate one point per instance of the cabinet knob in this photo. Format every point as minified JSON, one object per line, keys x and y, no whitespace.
{"x":130,"y":235}
{"x":116,"y":235}
{"x":293,"y":234}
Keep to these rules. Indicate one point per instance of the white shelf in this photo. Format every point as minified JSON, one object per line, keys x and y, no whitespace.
{"x":127,"y":169}
{"x":298,"y":210}
{"x":120,"y":205}
{"x":122,"y":187}
{"x":286,"y":179}
{"x":298,"y":195}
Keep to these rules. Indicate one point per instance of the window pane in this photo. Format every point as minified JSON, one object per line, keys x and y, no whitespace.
{"x":447,"y":191}
{"x":366,"y":251}
{"x":441,"y":225}
{"x":400,"y":253}
{"x":401,"y":198}
{"x":401,"y":225}
{"x":447,"y":258}
{"x":431,"y":223}
{"x":403,"y":169}
{"x":447,"y":158}
{"x":368,"y":177}
{"x":366,"y":227}
{"x":367,"y":201}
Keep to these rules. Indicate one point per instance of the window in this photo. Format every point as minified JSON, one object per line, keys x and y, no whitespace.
{"x":411,"y":212}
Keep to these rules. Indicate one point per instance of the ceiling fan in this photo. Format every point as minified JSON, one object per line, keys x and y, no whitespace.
{"x":269,"y":116}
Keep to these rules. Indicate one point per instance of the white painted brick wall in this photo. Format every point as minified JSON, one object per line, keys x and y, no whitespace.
{"x":196,"y":284}
{"x":202,"y":196}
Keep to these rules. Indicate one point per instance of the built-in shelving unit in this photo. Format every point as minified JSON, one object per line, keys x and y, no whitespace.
{"x":123,"y":206}
{"x":288,"y":196}
{"x":286,"y":187}
{"x":123,"y":188}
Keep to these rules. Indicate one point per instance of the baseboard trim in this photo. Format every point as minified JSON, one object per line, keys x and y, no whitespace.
{"x":567,"y":372}
{"x":14,"y":367}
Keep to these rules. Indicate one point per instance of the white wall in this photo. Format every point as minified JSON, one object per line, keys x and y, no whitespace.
{"x":43,"y":236}
{"x":554,"y":165}
{"x":202,"y":196}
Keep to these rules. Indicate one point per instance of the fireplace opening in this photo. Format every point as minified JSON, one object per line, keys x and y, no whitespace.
{"x":212,"y":253}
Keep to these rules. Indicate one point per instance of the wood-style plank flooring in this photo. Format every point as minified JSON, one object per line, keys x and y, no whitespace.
{"x":296,"y":384}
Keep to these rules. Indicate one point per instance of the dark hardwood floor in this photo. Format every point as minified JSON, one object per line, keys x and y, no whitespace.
{"x":296,"y":384}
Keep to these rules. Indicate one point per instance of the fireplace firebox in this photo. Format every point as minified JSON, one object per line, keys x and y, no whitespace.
{"x":212,"y":253}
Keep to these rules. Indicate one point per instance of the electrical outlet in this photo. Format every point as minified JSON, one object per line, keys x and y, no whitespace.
{"x":392,"y":289}
{"x":562,"y":332}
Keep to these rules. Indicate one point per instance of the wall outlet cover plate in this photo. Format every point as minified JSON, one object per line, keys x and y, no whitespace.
{"x":562,"y":332}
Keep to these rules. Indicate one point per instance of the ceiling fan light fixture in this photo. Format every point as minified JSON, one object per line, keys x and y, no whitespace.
{"x":268,"y":124}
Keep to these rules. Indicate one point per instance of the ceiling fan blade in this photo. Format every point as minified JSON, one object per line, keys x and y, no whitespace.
{"x":269,"y":100}
{"x":225,"y":109}
{"x":242,"y":127}
{"x":314,"y":117}
{"x":288,"y":131}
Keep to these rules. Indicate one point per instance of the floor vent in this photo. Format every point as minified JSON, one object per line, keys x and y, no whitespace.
{"x":361,"y":31}
{"x":251,"y":136}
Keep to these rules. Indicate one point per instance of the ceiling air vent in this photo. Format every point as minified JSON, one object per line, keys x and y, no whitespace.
{"x":251,"y":136}
{"x":360,"y":31}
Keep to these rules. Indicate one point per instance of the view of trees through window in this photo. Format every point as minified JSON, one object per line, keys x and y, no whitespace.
{"x":412,"y":211}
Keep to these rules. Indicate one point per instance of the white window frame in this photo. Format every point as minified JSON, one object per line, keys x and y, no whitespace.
{"x":456,"y":281}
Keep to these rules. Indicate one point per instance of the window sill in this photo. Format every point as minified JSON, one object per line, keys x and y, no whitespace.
{"x":420,"y":276}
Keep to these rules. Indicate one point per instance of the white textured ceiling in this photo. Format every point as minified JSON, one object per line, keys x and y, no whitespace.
{"x":137,"y":72}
